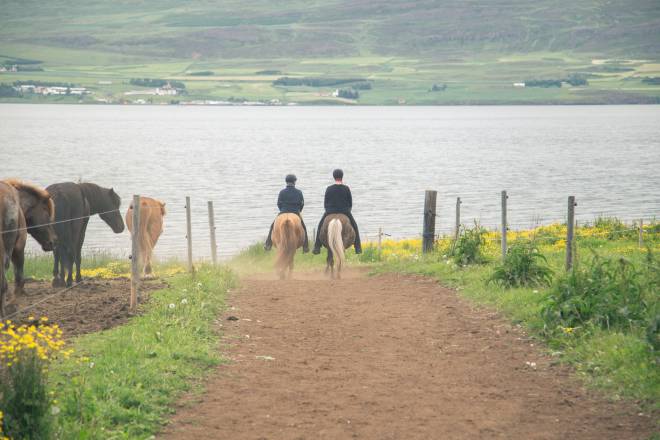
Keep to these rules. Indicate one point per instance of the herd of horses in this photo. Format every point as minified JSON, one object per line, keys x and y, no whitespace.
{"x":57,"y":217}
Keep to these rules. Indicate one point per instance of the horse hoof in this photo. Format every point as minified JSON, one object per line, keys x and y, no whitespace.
{"x":58,"y":282}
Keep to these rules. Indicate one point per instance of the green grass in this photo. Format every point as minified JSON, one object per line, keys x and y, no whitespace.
{"x":622,"y":363}
{"x":121,"y":383}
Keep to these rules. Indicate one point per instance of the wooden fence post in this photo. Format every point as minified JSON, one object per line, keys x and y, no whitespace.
{"x":214,"y":249}
{"x":458,"y":218}
{"x":570,"y":224}
{"x":135,"y":254}
{"x":189,"y":234}
{"x":504,"y":224}
{"x":641,"y":232}
{"x":428,"y":236}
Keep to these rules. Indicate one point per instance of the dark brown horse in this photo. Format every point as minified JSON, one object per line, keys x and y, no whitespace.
{"x":24,"y":209}
{"x":337,"y":234}
{"x":74,"y":204}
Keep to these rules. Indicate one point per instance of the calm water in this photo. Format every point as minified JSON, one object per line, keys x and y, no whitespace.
{"x":608,"y":157}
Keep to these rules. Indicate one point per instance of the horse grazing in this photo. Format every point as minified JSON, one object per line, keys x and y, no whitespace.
{"x":23,"y":208}
{"x":337,"y":234}
{"x":152,"y":212}
{"x":74,"y":204}
{"x":288,"y":235}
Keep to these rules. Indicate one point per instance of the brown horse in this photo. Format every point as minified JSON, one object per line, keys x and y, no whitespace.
{"x":23,"y":208}
{"x":152,"y":212}
{"x":288,"y":235}
{"x":337,"y":234}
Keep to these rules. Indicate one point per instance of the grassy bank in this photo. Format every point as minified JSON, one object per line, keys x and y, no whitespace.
{"x":618,"y":358}
{"x":121,"y":383}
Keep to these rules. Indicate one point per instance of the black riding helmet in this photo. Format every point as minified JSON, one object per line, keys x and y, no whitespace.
{"x":290,"y":178}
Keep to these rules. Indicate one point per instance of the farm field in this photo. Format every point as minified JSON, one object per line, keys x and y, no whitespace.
{"x":229,"y":52}
{"x":392,"y":81}
{"x":348,"y":350}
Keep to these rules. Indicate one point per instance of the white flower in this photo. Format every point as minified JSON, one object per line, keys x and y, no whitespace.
{"x":184,"y":301}
{"x":199,"y":284}
{"x":535,"y":291}
{"x":172,"y":306}
{"x":91,"y":365}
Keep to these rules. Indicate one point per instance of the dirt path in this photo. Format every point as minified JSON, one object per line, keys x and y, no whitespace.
{"x":390,"y":357}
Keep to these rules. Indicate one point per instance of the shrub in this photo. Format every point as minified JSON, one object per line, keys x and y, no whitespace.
{"x":469,"y":246}
{"x":25,"y":353}
{"x":523,"y":265}
{"x":608,"y":292}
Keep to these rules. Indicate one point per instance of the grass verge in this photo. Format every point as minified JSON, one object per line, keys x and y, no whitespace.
{"x":121,"y":383}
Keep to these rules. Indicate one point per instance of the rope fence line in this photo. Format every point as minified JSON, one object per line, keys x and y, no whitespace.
{"x":43,"y":300}
{"x":41,"y":225}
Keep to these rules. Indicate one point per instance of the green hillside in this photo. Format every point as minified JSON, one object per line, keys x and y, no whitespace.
{"x":472,"y":52}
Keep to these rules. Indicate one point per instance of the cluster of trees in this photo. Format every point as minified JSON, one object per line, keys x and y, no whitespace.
{"x":572,"y":79}
{"x":348,"y":93}
{"x":7,"y":91}
{"x":315,"y":82}
{"x":652,"y":80}
{"x":439,"y":87}
{"x":31,"y":82}
{"x":268,"y":72}
{"x":150,"y":82}
{"x":202,"y":73}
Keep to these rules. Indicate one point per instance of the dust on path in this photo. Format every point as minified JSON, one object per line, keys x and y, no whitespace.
{"x":386,"y":357}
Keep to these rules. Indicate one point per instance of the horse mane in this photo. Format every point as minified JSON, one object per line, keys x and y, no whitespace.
{"x":36,"y":191}
{"x":95,"y":196}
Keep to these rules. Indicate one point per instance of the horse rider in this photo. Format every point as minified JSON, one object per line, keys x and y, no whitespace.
{"x":291,"y":201}
{"x":338,"y":200}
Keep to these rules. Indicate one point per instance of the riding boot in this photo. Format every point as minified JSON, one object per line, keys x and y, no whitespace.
{"x":269,"y":242}
{"x":317,"y":242}
{"x":358,"y":243}
{"x":306,"y":242}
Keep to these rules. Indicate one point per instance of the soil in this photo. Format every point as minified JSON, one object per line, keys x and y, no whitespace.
{"x":387,"y":357}
{"x":94,"y":305}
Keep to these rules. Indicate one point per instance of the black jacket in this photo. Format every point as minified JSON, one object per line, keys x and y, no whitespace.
{"x":338,"y":199}
{"x":290,"y":200}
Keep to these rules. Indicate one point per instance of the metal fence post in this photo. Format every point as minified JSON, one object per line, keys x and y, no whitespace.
{"x":189,"y":234}
{"x":214,"y":249}
{"x":504,"y":223}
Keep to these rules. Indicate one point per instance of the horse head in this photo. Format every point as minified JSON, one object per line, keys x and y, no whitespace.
{"x":39,"y":212}
{"x":111,"y":215}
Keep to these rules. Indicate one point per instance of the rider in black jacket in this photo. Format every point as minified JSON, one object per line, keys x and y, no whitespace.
{"x":290,"y":200}
{"x":338,"y":200}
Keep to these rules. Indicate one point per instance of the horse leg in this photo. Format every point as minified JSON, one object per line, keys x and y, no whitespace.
{"x":57,"y":281}
{"x":18,"y":260}
{"x":79,"y":246}
{"x":69,"y":267}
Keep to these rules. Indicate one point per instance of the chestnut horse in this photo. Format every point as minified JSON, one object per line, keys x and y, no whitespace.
{"x":24,"y":209}
{"x":337,"y":234}
{"x":152,"y":212}
{"x":288,"y":235}
{"x":74,"y":204}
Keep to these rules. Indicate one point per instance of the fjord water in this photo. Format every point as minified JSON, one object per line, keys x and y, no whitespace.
{"x":607,"y":156}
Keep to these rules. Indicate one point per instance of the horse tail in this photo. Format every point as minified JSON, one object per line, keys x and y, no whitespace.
{"x":287,"y":248}
{"x":336,"y":242}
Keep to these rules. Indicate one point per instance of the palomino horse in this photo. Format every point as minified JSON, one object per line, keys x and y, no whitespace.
{"x":337,"y":234}
{"x":74,"y":204}
{"x":288,"y":235}
{"x":152,"y":212}
{"x":23,"y":208}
